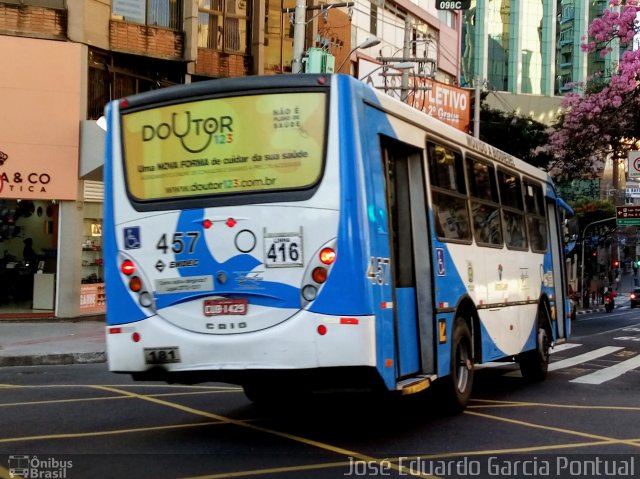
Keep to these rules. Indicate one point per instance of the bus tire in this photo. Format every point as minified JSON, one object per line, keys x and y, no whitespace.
{"x":259,"y":393}
{"x":274,"y":394}
{"x":456,"y":388}
{"x":534,"y":364}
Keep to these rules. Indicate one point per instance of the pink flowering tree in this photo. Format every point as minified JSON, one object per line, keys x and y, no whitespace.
{"x":604,"y":117}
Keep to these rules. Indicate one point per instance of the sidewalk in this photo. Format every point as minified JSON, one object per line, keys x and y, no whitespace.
{"x":52,"y":341}
{"x":625,"y":287}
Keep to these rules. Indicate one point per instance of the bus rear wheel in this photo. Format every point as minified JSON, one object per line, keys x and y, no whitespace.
{"x":456,"y":388}
{"x":260,"y":393}
{"x":534,"y":364}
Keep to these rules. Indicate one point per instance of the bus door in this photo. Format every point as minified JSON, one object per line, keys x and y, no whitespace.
{"x":557,"y":255}
{"x":411,"y":262}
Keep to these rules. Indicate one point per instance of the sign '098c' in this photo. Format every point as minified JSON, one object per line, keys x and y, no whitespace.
{"x":453,"y":4}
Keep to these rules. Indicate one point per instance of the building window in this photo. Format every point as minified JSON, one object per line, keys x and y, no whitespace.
{"x":224,"y":25}
{"x":447,"y":17}
{"x":373,"y":19}
{"x":116,"y":76}
{"x":566,"y":36}
{"x":158,"y":13}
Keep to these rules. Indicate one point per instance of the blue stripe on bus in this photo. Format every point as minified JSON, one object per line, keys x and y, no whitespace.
{"x":279,"y":295}
{"x":348,"y":291}
{"x":116,"y":291}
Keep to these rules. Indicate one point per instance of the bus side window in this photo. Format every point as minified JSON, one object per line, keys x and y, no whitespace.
{"x":514,"y":230}
{"x":534,"y":205}
{"x":448,"y":193}
{"x":485,"y":210}
{"x":452,"y":220}
{"x":486,"y":224}
{"x":512,"y":210}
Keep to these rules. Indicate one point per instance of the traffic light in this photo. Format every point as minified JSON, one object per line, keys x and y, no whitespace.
{"x":616,"y":264}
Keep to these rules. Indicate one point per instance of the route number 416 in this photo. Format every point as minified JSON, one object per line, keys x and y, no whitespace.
{"x":379,"y":270}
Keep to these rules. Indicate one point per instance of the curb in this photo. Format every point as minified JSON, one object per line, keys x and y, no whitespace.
{"x":53,"y":359}
{"x":595,"y":310}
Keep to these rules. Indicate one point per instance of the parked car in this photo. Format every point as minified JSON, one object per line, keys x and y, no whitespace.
{"x":634,"y":297}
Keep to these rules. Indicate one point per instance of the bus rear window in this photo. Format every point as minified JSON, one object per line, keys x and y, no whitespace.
{"x":223,"y":146}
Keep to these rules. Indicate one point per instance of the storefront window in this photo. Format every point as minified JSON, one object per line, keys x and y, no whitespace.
{"x":28,"y":250}
{"x":92,"y":294}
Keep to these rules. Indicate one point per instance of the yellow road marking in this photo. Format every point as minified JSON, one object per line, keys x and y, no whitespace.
{"x":123,"y":394}
{"x":61,"y":401}
{"x":160,"y":386}
{"x":104,"y":433}
{"x":609,"y":440}
{"x":273,"y":432}
{"x":494,"y":403}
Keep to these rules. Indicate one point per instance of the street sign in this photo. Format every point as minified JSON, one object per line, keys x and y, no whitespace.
{"x":628,"y":211}
{"x":628,"y":222}
{"x":632,"y":191}
{"x":634,"y":164}
{"x":453,"y":4}
{"x":628,"y":215}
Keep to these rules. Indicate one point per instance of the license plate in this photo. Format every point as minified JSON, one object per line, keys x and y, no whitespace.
{"x":161,"y":355}
{"x":281,"y":250}
{"x":223,"y":307}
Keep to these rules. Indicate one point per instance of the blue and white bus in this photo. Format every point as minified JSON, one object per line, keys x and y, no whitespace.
{"x":307,"y":232}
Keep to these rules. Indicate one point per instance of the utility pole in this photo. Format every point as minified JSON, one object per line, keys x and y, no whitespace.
{"x":476,"y":108}
{"x":299,"y":31}
{"x":300,"y":28}
{"x":406,"y":53}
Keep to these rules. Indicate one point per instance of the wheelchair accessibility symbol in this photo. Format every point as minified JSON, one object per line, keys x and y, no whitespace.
{"x":132,"y":238}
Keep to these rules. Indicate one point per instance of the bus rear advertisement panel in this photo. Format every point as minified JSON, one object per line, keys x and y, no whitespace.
{"x":221,"y":146}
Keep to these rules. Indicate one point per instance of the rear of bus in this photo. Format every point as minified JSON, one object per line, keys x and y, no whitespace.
{"x":223,"y":206}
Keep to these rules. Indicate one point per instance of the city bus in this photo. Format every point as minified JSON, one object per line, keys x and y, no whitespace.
{"x":307,"y":233}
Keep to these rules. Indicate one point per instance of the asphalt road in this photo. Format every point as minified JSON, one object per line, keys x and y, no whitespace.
{"x":81,"y":421}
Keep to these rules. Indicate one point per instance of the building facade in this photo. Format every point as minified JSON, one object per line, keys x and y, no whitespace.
{"x":63,"y":60}
{"x":510,"y":45}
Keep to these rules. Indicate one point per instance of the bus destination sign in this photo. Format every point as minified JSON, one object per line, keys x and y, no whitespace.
{"x":453,"y":4}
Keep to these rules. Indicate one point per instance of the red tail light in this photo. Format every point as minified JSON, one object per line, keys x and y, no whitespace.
{"x":327,"y":255}
{"x":127,"y":267}
{"x":319,"y":275}
{"x":135,"y":284}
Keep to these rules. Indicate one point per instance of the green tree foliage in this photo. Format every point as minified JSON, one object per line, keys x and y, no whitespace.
{"x":519,"y":135}
{"x":588,"y":210}
{"x":602,"y":117}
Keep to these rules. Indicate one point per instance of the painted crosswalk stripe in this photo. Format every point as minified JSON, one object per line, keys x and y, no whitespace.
{"x":573,"y":361}
{"x":564,"y":347}
{"x":612,"y":372}
{"x":583,"y":358}
{"x":556,"y":349}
